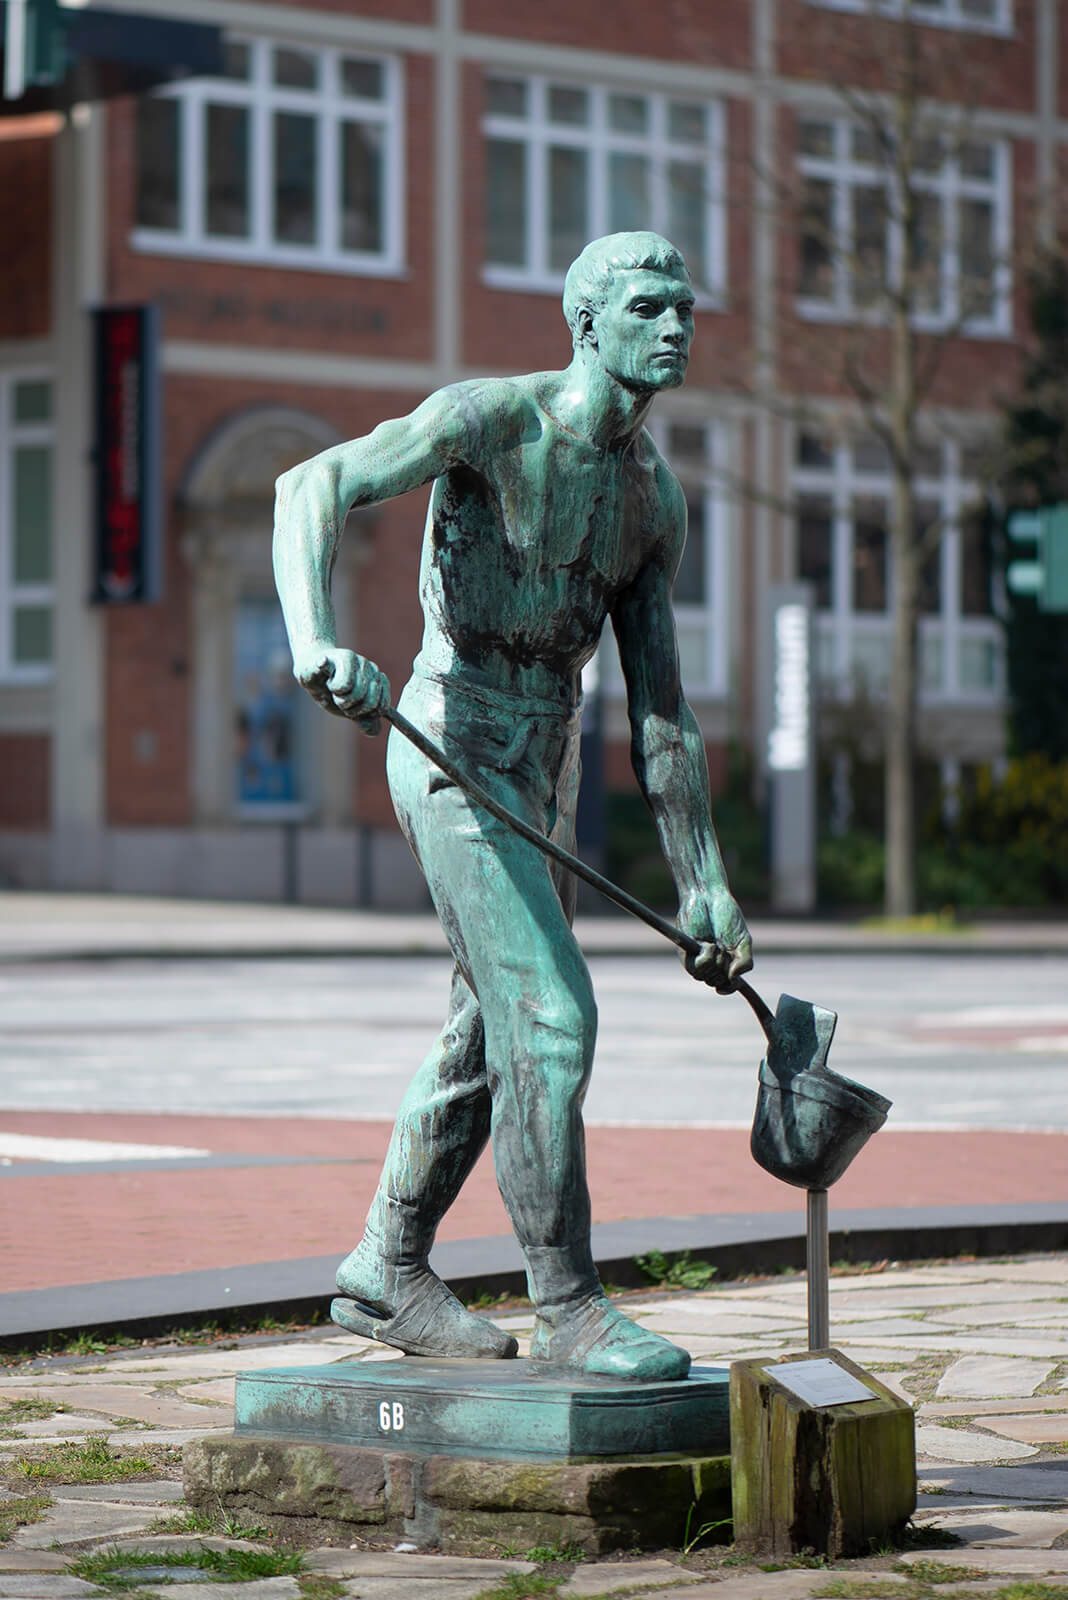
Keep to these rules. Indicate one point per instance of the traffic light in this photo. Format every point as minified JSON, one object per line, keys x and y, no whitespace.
{"x":1046,"y":577}
{"x":35,"y":51}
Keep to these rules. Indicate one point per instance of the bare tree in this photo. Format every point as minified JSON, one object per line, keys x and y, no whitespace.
{"x":899,"y":294}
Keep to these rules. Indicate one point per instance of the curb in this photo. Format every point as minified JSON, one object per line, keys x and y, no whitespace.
{"x":757,"y":1243}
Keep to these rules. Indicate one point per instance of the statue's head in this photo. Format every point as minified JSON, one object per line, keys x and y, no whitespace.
{"x":591,"y":275}
{"x":629,"y":297}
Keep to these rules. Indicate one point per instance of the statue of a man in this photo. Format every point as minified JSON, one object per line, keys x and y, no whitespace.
{"x":551,"y":510}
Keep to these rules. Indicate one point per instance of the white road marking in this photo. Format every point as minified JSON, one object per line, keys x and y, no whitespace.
{"x":28,"y":1147}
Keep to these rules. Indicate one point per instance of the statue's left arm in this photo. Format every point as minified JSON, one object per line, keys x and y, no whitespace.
{"x":668,"y":754}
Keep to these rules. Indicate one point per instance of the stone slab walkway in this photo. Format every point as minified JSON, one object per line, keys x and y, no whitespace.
{"x":979,"y":1347}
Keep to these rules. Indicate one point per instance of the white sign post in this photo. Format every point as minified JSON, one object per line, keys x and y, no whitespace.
{"x":790,"y":755}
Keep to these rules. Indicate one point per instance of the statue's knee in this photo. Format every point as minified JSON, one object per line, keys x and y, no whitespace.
{"x":565,"y":1034}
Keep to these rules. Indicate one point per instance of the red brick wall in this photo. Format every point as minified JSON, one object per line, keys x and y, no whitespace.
{"x":283,"y":307}
{"x":26,"y":254}
{"x":714,"y":34}
{"x":954,"y":64}
{"x":25,"y":793}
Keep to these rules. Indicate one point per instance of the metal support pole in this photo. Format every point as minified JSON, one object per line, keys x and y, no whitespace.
{"x":819,"y":1272}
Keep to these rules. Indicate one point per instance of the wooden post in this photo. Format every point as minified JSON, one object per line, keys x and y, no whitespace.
{"x":827,"y":1478}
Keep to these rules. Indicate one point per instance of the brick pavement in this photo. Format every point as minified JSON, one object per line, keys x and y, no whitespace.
{"x":98,"y":1224}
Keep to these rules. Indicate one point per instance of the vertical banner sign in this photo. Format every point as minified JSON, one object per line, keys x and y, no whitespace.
{"x":791,"y":747}
{"x":127,"y":455}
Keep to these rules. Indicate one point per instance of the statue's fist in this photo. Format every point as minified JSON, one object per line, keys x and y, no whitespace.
{"x":345,"y":684}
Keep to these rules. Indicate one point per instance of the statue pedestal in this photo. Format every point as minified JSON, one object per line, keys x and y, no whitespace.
{"x":485,"y":1409}
{"x":471,"y":1455}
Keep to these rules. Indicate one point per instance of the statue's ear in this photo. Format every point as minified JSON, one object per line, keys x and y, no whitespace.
{"x":584,"y":329}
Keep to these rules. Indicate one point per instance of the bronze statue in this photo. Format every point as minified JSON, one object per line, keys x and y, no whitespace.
{"x":551,"y":511}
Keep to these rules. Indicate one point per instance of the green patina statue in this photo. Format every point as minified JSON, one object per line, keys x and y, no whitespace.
{"x":551,"y":510}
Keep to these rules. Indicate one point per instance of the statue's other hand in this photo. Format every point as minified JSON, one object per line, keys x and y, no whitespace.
{"x":345,"y":684}
{"x":726,"y":948}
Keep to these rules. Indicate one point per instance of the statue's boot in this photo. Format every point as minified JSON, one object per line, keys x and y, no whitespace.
{"x":582,"y":1332}
{"x":390,"y":1294}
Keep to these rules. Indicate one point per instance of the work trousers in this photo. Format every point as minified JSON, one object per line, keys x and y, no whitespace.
{"x":513,"y":1060}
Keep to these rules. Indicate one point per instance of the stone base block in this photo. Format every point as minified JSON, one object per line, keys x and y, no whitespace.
{"x":813,"y":1468}
{"x":322,"y":1493}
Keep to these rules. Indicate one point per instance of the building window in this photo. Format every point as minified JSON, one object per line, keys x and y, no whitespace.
{"x":982,"y":16}
{"x":851,"y":247}
{"x":566,"y":163}
{"x":295,"y":156}
{"x":843,"y":492}
{"x":26,"y":554}
{"x":699,"y":595}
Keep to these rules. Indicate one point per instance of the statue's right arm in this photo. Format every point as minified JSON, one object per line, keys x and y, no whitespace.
{"x":311,"y":503}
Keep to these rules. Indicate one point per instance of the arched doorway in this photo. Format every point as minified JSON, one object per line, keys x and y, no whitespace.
{"x":262,"y":761}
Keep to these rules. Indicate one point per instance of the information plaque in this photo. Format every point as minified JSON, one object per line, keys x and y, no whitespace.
{"x":821,"y":1382}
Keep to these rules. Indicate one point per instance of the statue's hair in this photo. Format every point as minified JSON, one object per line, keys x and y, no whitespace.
{"x":590,"y":275}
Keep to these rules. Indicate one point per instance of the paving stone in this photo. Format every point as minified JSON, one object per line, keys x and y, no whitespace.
{"x":1054,"y":1269}
{"x":220,"y":1390}
{"x":997,"y":1486}
{"x":160,"y":1492}
{"x":1015,"y":1407}
{"x":1012,"y":1314}
{"x":1038,"y":1430}
{"x":932,"y":1292}
{"x":960,"y":1444}
{"x":883,"y":1327}
{"x":609,"y":1577}
{"x":1020,"y":1530}
{"x":44,"y":1586}
{"x":403,"y":1589}
{"x":69,"y":1424}
{"x":795,"y":1584}
{"x":996,"y":1558}
{"x":113,"y":1400}
{"x":985,"y":1377}
{"x":335,"y":1563}
{"x":725,"y":1326}
{"x":258,"y":1589}
{"x":69,"y":1521}
{"x":13,"y":1560}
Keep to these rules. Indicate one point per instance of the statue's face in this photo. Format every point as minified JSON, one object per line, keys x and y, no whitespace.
{"x":644,"y":330}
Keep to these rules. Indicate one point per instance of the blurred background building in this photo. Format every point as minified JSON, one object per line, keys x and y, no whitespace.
{"x":365,"y":199}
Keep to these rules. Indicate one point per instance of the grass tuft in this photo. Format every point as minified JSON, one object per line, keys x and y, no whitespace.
{"x":681,"y":1272}
{"x":20,"y":1511}
{"x":118,"y":1570}
{"x":92,"y":1462}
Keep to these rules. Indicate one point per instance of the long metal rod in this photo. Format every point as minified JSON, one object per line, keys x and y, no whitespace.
{"x":556,"y":852}
{"x":819,"y":1272}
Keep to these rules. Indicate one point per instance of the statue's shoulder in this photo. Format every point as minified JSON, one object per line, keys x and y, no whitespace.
{"x":491,"y":410}
{"x":666,"y":488}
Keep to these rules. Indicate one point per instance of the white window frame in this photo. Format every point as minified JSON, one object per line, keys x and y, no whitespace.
{"x":948,"y":14}
{"x":710,"y":620}
{"x":944,"y":635}
{"x":330,"y":108}
{"x":537,"y":133}
{"x":12,"y":435}
{"x":845,"y":174}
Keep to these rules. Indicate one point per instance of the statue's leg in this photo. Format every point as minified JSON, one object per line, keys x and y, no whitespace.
{"x":513,"y":943}
{"x":388,"y":1290}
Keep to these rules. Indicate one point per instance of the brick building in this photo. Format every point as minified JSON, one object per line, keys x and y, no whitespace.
{"x":379,"y":196}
